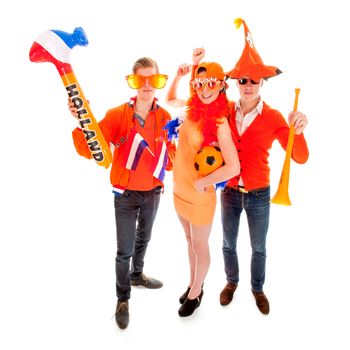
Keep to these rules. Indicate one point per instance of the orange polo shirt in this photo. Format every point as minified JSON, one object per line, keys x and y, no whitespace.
{"x":115,"y":127}
{"x":142,"y":178}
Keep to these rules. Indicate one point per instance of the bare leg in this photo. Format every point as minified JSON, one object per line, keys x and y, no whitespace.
{"x":191,"y":256}
{"x":200,"y":237}
{"x":198,"y":254}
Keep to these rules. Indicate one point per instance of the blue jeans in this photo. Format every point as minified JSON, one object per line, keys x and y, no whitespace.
{"x":257,"y":207}
{"x":135,"y":212}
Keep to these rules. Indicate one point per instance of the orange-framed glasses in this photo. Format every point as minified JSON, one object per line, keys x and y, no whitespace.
{"x":199,"y":84}
{"x":136,"y":81}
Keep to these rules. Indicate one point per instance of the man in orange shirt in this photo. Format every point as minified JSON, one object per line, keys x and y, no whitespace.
{"x":141,"y":154}
{"x":254,"y":127}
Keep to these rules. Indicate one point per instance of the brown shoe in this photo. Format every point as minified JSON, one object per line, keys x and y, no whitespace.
{"x":226,"y":295}
{"x":262,"y":302}
{"x":147,"y":282}
{"x":122,"y":314}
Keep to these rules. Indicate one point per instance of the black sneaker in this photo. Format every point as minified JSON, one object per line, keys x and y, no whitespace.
{"x":122,"y":314}
{"x":147,"y":282}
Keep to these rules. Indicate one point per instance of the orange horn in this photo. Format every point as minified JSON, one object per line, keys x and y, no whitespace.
{"x":282,"y":196}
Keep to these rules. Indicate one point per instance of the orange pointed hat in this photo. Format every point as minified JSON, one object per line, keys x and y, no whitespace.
{"x":250,"y":63}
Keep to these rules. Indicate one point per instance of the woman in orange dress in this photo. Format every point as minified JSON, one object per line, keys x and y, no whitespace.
{"x":194,"y":195}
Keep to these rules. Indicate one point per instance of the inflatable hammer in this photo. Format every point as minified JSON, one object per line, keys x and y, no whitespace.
{"x":55,"y":46}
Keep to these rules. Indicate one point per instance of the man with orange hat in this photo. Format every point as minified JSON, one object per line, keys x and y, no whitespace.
{"x":254,"y":126}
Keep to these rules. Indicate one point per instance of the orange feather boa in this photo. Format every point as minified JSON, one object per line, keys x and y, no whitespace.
{"x":207,"y":116}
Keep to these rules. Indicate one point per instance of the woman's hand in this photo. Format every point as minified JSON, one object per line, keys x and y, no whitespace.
{"x":197,"y":55}
{"x":183,"y":69}
{"x":200,"y":187}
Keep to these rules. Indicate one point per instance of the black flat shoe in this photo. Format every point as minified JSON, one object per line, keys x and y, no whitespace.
{"x":184,"y":296}
{"x":190,"y":305}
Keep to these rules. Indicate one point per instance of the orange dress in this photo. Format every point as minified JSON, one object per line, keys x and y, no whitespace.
{"x":196,"y":207}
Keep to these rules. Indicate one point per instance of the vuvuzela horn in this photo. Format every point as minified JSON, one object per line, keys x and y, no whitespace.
{"x":282,"y":196}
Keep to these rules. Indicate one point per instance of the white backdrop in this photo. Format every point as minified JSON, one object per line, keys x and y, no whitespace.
{"x":57,"y":242}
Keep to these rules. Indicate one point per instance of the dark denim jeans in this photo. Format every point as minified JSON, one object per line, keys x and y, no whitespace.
{"x":257,"y":207}
{"x":135,"y":212}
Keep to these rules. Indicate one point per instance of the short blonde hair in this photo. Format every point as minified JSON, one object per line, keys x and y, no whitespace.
{"x":145,"y":62}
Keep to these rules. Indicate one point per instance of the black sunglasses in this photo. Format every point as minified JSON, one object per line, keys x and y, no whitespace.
{"x":244,"y":81}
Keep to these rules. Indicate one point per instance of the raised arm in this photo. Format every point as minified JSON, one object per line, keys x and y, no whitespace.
{"x":197,"y":56}
{"x":171,"y":97}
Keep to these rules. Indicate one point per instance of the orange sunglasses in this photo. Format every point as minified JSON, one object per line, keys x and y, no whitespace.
{"x":136,"y":81}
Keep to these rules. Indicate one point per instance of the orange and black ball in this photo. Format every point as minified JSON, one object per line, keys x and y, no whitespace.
{"x":208,"y":159}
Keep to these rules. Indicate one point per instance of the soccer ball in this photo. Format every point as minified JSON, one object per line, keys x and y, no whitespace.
{"x":208,"y":159}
